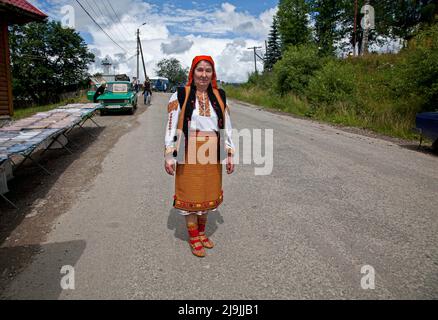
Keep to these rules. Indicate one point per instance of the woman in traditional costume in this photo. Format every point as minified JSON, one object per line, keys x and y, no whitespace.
{"x":198,"y":137}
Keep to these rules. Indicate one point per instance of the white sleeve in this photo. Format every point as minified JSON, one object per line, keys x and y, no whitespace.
{"x":172,"y":123}
{"x":229,"y":145}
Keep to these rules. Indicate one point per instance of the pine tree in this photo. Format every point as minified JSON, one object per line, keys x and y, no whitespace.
{"x":273,"y":53}
{"x":293,"y":22}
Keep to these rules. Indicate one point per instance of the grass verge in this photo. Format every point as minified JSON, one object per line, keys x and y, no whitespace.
{"x":27,"y":112}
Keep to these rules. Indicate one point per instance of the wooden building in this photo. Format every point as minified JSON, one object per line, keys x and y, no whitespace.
{"x":12,"y":12}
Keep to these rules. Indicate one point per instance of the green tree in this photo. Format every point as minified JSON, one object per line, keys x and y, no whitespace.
{"x":327,"y":15}
{"x":293,"y":22}
{"x":346,"y":18}
{"x":408,"y":15}
{"x":273,"y":53}
{"x":45,"y":59}
{"x":172,"y":70}
{"x":400,"y":19}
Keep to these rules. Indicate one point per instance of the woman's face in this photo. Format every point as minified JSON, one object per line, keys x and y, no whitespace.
{"x":203,"y":74}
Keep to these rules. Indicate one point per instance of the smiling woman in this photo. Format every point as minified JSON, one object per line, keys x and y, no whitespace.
{"x":198,"y":133}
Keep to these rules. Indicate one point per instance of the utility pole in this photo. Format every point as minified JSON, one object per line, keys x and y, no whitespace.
{"x":138,"y":52}
{"x":142,"y":59}
{"x":255,"y":56}
{"x":355,"y":28}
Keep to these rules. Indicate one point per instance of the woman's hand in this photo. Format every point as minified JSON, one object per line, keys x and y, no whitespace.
{"x":230,"y":164}
{"x":169,"y":165}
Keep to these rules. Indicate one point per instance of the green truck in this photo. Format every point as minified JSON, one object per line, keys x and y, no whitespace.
{"x":117,"y":96}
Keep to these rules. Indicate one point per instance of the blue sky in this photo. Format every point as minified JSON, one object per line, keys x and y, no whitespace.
{"x":254,"y":7}
{"x":180,"y":29}
{"x":250,"y":8}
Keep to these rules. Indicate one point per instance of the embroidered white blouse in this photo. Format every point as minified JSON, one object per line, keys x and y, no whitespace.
{"x":203,"y":119}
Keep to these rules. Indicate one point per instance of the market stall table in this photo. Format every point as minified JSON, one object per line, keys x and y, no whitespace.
{"x":40,"y":131}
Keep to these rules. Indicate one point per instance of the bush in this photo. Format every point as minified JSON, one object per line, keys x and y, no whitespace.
{"x":416,"y":77}
{"x":297,"y":66}
{"x":253,"y":79}
{"x":261,"y":81}
{"x":335,"y":82}
{"x":380,"y":92}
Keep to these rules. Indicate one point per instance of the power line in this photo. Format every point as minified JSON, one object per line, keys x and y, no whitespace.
{"x":117,"y":16}
{"x":100,"y":26}
{"x":101,"y":13}
{"x":113,"y":22}
{"x":103,"y":21}
{"x":133,"y":56}
{"x":119,"y":26}
{"x":92,"y":8}
{"x":108,"y":25}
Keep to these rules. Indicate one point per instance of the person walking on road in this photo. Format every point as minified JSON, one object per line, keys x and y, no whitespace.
{"x":147,"y":92}
{"x":198,"y":132}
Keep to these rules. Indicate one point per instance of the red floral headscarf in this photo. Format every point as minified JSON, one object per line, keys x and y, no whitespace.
{"x":195,"y":62}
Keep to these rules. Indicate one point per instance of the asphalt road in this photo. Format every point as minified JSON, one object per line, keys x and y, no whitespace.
{"x":334,"y":203}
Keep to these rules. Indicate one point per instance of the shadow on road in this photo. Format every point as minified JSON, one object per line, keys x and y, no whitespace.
{"x":177,"y":223}
{"x":421,"y":149}
{"x":44,"y":281}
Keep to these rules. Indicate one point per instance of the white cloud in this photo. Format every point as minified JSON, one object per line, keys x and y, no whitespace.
{"x":178,"y":45}
{"x":223,"y":32}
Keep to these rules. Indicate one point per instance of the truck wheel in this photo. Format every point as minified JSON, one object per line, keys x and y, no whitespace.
{"x":131,"y":111}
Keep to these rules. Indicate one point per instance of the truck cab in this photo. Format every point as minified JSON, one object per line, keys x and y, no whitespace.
{"x":117,"y":96}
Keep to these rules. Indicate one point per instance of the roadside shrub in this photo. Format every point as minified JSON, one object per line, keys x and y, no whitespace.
{"x":416,"y":77}
{"x":293,"y":72}
{"x":381,"y":92}
{"x":253,"y":79}
{"x":335,"y":82}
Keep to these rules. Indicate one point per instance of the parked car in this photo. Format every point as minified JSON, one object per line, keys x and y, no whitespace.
{"x":427,"y":126}
{"x":118,"y":95}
